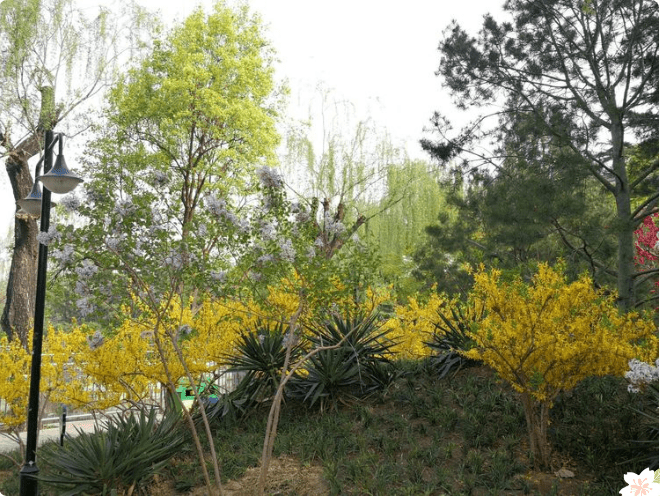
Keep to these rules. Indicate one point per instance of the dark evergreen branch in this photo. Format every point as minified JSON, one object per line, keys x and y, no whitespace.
{"x":583,"y":252}
{"x":644,"y":275}
{"x":647,"y":172}
{"x":650,"y":206}
{"x":647,"y":300}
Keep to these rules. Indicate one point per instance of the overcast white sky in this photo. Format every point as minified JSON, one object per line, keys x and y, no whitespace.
{"x":380,"y":55}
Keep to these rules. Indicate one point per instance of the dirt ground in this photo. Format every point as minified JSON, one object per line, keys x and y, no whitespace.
{"x":286,"y":476}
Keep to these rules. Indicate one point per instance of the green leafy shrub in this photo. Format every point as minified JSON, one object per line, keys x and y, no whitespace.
{"x":356,"y":368}
{"x":119,"y":458}
{"x":451,"y":337}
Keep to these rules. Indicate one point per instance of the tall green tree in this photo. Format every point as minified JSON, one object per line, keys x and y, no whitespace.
{"x":583,"y":74}
{"x":54,"y":59}
{"x":188,"y":128}
{"x":509,"y":219}
{"x":351,"y":164}
{"x":172,"y":202}
{"x":414,"y":198}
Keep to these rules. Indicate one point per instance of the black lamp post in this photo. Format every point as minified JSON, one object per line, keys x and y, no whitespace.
{"x":57,"y":179}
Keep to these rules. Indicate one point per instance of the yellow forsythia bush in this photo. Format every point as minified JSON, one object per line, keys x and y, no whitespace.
{"x":414,"y":324}
{"x":59,"y":380}
{"x":547,"y":336}
{"x":14,"y":382}
{"x":87,"y":370}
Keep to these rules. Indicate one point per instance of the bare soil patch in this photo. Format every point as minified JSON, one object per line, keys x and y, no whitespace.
{"x":286,"y":476}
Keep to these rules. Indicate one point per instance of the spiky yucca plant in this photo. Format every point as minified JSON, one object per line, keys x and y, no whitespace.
{"x":451,"y":337}
{"x":119,"y":458}
{"x":260,"y":354}
{"x":357,"y":367}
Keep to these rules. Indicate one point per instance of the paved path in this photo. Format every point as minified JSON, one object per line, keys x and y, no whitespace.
{"x":50,"y":432}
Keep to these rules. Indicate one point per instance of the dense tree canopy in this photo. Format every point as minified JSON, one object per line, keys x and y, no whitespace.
{"x":188,"y":128}
{"x":576,"y":78}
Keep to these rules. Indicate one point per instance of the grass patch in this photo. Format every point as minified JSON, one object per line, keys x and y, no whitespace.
{"x":460,"y":435}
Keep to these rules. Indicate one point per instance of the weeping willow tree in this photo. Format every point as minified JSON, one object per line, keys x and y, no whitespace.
{"x":413,"y":201}
{"x":334,"y":154}
{"x":55,"y":58}
{"x":363,"y":179}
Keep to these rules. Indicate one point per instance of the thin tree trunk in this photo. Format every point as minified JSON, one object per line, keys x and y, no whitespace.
{"x":537,"y":414}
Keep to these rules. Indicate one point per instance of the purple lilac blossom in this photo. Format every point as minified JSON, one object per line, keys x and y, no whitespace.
{"x":87,"y":269}
{"x":267,"y":231}
{"x":65,"y":255}
{"x":46,"y":237}
{"x":85,"y":307}
{"x":113,"y":242}
{"x":95,"y":341}
{"x":286,"y":251}
{"x":70,"y":202}
{"x":265,"y":259}
{"x":270,"y":178}
{"x":174,"y":260}
{"x":215,"y":206}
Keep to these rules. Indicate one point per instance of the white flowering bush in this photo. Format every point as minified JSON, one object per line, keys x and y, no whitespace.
{"x":641,"y":374}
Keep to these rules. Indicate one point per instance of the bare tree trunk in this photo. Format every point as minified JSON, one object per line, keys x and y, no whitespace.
{"x":21,"y":285}
{"x":537,"y":414}
{"x":626,"y":228}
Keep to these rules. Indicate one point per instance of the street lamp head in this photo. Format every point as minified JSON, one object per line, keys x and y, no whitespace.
{"x":59,"y":179}
{"x":32,"y":202}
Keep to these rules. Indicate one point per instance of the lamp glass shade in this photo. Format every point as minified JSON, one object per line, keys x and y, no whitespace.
{"x":59,"y":179}
{"x":32,"y":202}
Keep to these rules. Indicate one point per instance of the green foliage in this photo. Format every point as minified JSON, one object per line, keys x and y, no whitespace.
{"x":423,"y":426}
{"x":260,"y":354}
{"x":451,"y":338}
{"x":646,"y":444}
{"x":607,"y":427}
{"x":361,"y":172}
{"x":357,"y":367}
{"x":412,"y":200}
{"x":55,"y":51}
{"x":356,"y":153}
{"x":543,"y":66}
{"x":530,"y":211}
{"x":57,"y":57}
{"x":186,"y":128}
{"x":122,"y":456}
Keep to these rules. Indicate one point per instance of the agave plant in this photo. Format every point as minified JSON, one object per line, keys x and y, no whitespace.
{"x":357,"y":367}
{"x":260,"y":354}
{"x":119,"y":458}
{"x":451,"y":336}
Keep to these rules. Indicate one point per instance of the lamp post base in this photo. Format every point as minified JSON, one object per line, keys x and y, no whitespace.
{"x":28,"y":480}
